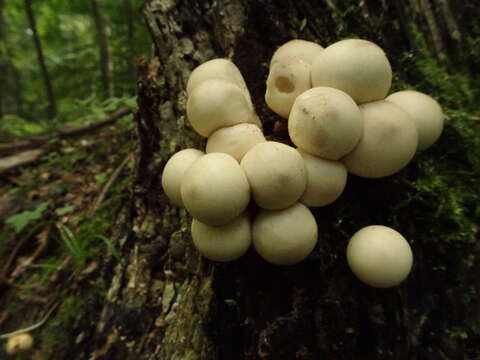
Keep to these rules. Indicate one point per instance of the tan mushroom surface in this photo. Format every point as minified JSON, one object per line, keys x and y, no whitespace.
{"x":325,"y":122}
{"x":379,"y":256}
{"x":174,"y":170}
{"x":217,"y":103}
{"x":388,"y":143}
{"x":235,"y":140}
{"x":285,"y":237}
{"x":358,"y":67}
{"x":326,"y":180}
{"x":276,"y":173}
{"x":215,"y":189}
{"x":307,"y":51}
{"x":223,"y":243}
{"x":426,"y":113}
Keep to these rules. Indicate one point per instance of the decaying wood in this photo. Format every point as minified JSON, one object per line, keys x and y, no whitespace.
{"x":22,"y":159}
{"x":11,"y":148}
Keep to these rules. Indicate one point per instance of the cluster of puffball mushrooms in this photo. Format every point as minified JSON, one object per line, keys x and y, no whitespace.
{"x":340,"y":120}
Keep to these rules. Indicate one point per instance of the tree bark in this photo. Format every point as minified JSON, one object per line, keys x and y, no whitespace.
{"x":52,"y":105}
{"x":104,"y":54}
{"x":166,"y":302}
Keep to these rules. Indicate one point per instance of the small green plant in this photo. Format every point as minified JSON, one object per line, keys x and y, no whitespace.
{"x":22,"y":220}
{"x":77,"y":249}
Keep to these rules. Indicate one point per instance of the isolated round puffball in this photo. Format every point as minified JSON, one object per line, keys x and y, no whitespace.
{"x":216,"y":69}
{"x":235,"y":140}
{"x":285,"y":237}
{"x":286,"y":80}
{"x":215,"y":189}
{"x":215,"y":104}
{"x":305,"y":50}
{"x":19,"y":343}
{"x":276,"y":173}
{"x":379,"y":256}
{"x":174,"y":170}
{"x":426,"y":113}
{"x":325,"y":122}
{"x":388,"y":143}
{"x":358,"y":67}
{"x":326,"y":180}
{"x":223,"y":243}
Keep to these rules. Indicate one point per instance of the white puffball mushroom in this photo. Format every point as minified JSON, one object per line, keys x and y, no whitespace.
{"x":303,"y":49}
{"x":286,"y":80}
{"x":223,"y":243}
{"x":325,"y":122}
{"x":358,"y":67}
{"x":235,"y":140}
{"x":388,"y":143}
{"x":285,"y":237}
{"x":19,"y":343}
{"x":379,"y":256}
{"x":326,"y":180}
{"x":173,"y":171}
{"x":215,"y":189}
{"x":216,"y":103}
{"x":425,"y":111}
{"x":276,"y":173}
{"x":216,"y":69}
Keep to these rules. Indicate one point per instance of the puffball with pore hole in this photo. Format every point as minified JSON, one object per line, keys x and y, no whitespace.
{"x":358,"y":67}
{"x":326,"y":180}
{"x":276,"y":173}
{"x":215,"y":189}
{"x":305,"y":50}
{"x":235,"y":140}
{"x":388,"y":143}
{"x":285,"y":237}
{"x":426,"y":113}
{"x":223,"y":243}
{"x":286,"y":80}
{"x":215,"y":104}
{"x":379,"y":256}
{"x":325,"y":122}
{"x":174,"y":170}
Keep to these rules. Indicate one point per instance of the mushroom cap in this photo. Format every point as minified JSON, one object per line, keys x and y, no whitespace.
{"x":325,"y":122}
{"x":426,"y":113}
{"x":286,"y":80}
{"x":285,"y":237}
{"x":216,"y":69}
{"x":19,"y":343}
{"x":223,"y":243}
{"x":276,"y":173}
{"x":235,"y":140}
{"x":379,"y":256}
{"x":303,"y":49}
{"x":358,"y":67}
{"x":216,"y":103}
{"x":215,"y":189}
{"x":174,"y":170}
{"x":388,"y":143}
{"x":326,"y":180}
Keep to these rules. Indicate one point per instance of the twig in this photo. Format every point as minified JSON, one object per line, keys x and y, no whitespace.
{"x":109,"y":183}
{"x":32,"y":327}
{"x":7,"y":149}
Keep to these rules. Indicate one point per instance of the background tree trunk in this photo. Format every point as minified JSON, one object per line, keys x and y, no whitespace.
{"x":129,"y":20}
{"x":52,"y":105}
{"x":166,"y":302}
{"x":104,"y":54}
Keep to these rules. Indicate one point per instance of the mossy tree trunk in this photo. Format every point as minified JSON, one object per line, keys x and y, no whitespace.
{"x":165,"y":302}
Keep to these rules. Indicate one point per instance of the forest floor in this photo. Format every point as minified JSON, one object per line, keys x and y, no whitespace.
{"x":56,"y":216}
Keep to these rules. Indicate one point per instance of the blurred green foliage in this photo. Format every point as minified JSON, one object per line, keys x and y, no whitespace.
{"x":69,"y":41}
